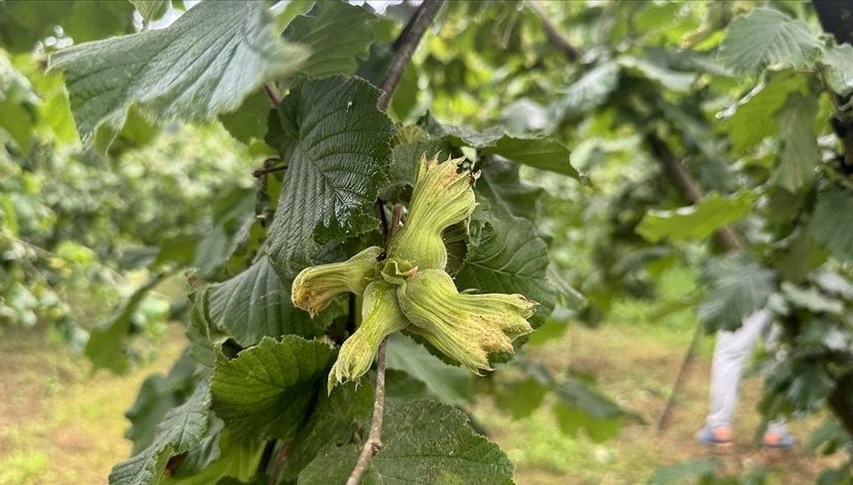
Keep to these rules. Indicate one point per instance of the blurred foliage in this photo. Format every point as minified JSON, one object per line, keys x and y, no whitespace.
{"x":75,"y":227}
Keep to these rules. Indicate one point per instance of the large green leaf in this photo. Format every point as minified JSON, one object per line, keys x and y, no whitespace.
{"x":332,"y":424}
{"x":256,"y":304}
{"x":839,"y":68}
{"x":181,"y":430}
{"x":800,"y":154}
{"x":696,"y":221}
{"x":541,"y":153}
{"x":217,"y":456}
{"x":337,"y":38}
{"x":508,"y":257}
{"x":157,"y":395}
{"x":768,"y":37}
{"x":799,"y":255}
{"x":202,"y":65}
{"x":106,"y":344}
{"x":737,"y":288}
{"x":537,"y":152}
{"x":502,"y":193}
{"x":24,"y":23}
{"x":580,"y":407}
{"x":423,"y":442}
{"x":151,"y":9}
{"x":520,"y":398}
{"x":755,"y":116}
{"x":337,"y":146}
{"x":267,"y":389}
{"x":832,"y":223}
{"x":672,"y":80}
{"x":406,"y":158}
{"x":590,"y":91}
{"x":453,"y":385}
{"x":248,"y":121}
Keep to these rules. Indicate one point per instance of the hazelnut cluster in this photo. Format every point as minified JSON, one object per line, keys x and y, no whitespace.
{"x":410,"y":290}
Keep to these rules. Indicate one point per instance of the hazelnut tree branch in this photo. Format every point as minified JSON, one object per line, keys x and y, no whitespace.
{"x":557,"y":39}
{"x":273,"y":96}
{"x":374,"y":439}
{"x":404,"y":47}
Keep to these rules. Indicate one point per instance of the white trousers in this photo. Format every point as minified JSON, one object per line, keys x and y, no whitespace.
{"x":731,"y":353}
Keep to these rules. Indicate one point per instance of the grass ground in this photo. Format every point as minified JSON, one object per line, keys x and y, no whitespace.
{"x":637,"y":366}
{"x":59,"y":425}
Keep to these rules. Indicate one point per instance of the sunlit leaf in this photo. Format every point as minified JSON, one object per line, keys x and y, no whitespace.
{"x":839,"y":68}
{"x":151,"y":9}
{"x":696,"y":221}
{"x":590,"y":91}
{"x":674,"y":80}
{"x":202,"y":65}
{"x":755,"y":116}
{"x":768,"y":37}
{"x":537,"y":152}
{"x":23,"y":23}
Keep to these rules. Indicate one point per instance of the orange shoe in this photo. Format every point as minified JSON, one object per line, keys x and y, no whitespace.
{"x":716,"y":436}
{"x":774,"y":439}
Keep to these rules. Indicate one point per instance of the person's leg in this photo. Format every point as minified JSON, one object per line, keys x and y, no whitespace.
{"x":731,"y":353}
{"x":776,"y":435}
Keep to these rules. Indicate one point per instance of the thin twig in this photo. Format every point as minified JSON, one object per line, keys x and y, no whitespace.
{"x":663,"y":422}
{"x":380,"y":206}
{"x":274,"y":98}
{"x":279,"y":462}
{"x":374,"y":438}
{"x":263,"y":171}
{"x":406,"y":45}
{"x":557,"y":39}
{"x":396,"y":218}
